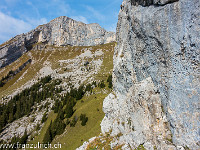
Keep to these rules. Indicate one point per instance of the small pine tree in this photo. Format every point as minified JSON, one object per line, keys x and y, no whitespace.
{"x":110,"y":85}
{"x":67,"y":121}
{"x":61,"y":114}
{"x":88,"y":87}
{"x":84,"y":119}
{"x":14,"y":140}
{"x":80,"y":92}
{"x":101,"y":84}
{"x":56,"y":106}
{"x":48,"y":135}
{"x":69,"y":109}
{"x":24,"y":138}
{"x":44,"y":118}
{"x":37,"y":127}
{"x":73,"y":122}
{"x":10,"y":72}
{"x":60,"y":126}
{"x":94,"y":83}
{"x":109,"y":80}
{"x":1,"y":84}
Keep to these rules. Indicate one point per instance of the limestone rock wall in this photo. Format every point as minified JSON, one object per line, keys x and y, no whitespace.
{"x":156,"y":76}
{"x":66,"y":31}
{"x":151,"y":2}
{"x":16,"y":47}
{"x":60,"y":31}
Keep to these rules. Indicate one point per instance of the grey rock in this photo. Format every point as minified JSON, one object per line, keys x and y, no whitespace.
{"x":151,"y":2}
{"x":66,"y":31}
{"x":16,"y":47}
{"x":156,"y":76}
{"x":59,"y":32}
{"x":163,"y":2}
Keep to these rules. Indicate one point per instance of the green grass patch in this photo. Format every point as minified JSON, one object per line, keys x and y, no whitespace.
{"x":39,"y":138}
{"x":75,"y":136}
{"x":140,"y":147}
{"x":12,"y":81}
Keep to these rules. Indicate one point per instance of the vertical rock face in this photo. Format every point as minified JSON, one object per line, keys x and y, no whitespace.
{"x":16,"y":47}
{"x":59,"y":32}
{"x":156,"y":75}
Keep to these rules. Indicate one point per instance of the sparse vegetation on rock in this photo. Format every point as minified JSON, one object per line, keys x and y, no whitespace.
{"x":21,"y":104}
{"x":102,"y":84}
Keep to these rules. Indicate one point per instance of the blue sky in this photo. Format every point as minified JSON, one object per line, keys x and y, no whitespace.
{"x":20,"y":16}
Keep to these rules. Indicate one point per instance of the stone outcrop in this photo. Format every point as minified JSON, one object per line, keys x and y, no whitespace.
{"x":16,"y":47}
{"x":151,"y":2}
{"x":156,"y":102}
{"x":59,"y":32}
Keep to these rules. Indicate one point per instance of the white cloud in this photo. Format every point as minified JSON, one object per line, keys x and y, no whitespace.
{"x":35,"y":9}
{"x":36,"y":22}
{"x":10,"y":26}
{"x":95,"y":13}
{"x":80,"y":18}
{"x":58,"y":7}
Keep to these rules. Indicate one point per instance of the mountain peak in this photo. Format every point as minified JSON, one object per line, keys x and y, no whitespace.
{"x":59,"y":32}
{"x":62,"y":19}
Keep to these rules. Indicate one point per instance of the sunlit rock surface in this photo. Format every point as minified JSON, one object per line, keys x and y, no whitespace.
{"x":61,"y":31}
{"x":156,"y":102}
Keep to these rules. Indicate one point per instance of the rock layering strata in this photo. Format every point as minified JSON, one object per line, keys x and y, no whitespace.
{"x":59,"y":32}
{"x":155,"y":102}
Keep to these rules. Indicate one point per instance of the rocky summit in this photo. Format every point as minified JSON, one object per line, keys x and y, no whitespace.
{"x":156,"y":76}
{"x":61,"y":31}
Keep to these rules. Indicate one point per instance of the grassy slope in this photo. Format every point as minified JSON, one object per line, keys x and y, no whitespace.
{"x":39,"y":138}
{"x":32,"y":70}
{"x":53,"y":56}
{"x":107,"y":65}
{"x":74,"y":136}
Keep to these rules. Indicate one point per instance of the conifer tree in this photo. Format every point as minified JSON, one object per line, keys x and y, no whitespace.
{"x":24,"y":138}
{"x":84,"y":119}
{"x":48,"y":135}
{"x":109,"y":80}
{"x":69,"y":110}
{"x":44,"y":118}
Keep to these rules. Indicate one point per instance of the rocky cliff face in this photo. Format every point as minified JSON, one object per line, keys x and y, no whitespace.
{"x":156,"y":102}
{"x":151,"y":2}
{"x":59,"y":32}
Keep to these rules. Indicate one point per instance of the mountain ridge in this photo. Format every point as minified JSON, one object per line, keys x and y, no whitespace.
{"x":60,"y":31}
